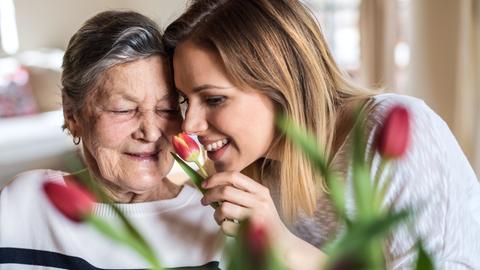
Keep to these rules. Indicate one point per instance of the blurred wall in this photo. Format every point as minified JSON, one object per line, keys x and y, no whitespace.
{"x":433,"y":62}
{"x":50,"y":23}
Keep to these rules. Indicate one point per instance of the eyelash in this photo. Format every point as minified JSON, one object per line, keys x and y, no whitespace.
{"x":124,"y":111}
{"x":215,"y":100}
{"x":212,"y":101}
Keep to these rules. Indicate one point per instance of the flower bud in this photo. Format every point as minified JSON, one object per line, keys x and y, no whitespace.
{"x":394,"y":136}
{"x":72,"y":200}
{"x":186,"y":147}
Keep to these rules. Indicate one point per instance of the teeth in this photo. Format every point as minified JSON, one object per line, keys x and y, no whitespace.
{"x":216,"y":145}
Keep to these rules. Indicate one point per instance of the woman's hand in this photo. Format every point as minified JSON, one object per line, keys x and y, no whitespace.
{"x":241,"y":197}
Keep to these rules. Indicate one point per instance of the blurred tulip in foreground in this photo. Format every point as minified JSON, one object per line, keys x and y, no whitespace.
{"x":394,"y":136}
{"x":72,"y":200}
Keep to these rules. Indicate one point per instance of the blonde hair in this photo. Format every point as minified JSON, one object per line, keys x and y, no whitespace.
{"x":277,"y":48}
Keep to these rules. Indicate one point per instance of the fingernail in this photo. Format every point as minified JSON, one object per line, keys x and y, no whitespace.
{"x":205,"y":184}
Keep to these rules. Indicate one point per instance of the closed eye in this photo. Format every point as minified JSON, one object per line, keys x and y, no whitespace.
{"x":123,"y":111}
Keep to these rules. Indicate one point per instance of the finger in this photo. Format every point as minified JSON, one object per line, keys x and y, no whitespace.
{"x":235,"y":179}
{"x":230,"y":194}
{"x":229,"y":227}
{"x":230,"y":211}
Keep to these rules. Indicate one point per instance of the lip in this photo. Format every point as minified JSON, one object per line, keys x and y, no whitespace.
{"x":217,"y":154}
{"x":143,"y":156}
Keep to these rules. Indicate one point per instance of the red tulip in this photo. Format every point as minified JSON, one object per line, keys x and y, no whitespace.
{"x":394,"y":136}
{"x":72,"y":200}
{"x":186,"y":147}
{"x":257,"y":241}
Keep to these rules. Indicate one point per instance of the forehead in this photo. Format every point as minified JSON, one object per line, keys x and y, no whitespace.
{"x":139,"y":79}
{"x":194,"y":65}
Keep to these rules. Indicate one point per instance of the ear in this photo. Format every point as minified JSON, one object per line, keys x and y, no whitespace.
{"x":72,"y":122}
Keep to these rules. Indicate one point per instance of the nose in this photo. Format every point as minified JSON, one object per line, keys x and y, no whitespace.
{"x":195,"y":121}
{"x":148,"y":129}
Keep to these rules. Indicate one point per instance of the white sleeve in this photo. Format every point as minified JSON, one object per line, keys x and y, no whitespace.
{"x":435,"y":180}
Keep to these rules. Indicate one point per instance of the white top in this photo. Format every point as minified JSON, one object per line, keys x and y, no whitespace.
{"x":434,"y":179}
{"x":32,"y":231}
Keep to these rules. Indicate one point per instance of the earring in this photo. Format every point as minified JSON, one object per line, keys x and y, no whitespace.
{"x":76,"y":140}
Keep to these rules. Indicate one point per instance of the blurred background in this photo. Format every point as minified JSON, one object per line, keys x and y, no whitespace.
{"x":424,"y":48}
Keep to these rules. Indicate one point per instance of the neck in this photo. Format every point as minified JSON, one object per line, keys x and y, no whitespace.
{"x":113,"y":193}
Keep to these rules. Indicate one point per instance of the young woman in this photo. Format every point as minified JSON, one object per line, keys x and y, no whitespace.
{"x":237,"y":64}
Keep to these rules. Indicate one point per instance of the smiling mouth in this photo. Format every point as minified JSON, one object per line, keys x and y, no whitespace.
{"x":212,"y":147}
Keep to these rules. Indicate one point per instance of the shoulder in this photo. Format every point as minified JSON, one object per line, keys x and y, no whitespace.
{"x":420,"y":112}
{"x":434,"y":161}
{"x":22,"y":206}
{"x":25,"y":190}
{"x":432,"y":144}
{"x":30,"y":181}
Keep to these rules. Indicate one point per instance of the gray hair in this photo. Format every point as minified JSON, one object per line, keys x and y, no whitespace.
{"x":105,"y":40}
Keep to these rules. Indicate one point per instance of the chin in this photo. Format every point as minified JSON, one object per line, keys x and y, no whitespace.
{"x":228,"y":167}
{"x":144,"y":184}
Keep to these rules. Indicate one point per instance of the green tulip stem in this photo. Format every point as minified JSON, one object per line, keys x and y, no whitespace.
{"x":202,"y":170}
{"x":379,"y":173}
{"x":126,"y":238}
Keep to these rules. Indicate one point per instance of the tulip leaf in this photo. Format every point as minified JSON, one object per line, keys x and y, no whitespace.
{"x":360,"y":234}
{"x":306,"y":142}
{"x":310,"y":147}
{"x":131,"y":229}
{"x":362,"y":184}
{"x":125,"y":239}
{"x":84,"y":177}
{"x":196,"y":178}
{"x":424,"y":261}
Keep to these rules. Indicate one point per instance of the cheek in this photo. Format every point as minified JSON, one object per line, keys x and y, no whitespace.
{"x":250,"y":126}
{"x":111,"y":134}
{"x":107,"y":161}
{"x":258,"y":130}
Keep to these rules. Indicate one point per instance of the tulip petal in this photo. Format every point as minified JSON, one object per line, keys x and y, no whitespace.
{"x":72,"y":200}
{"x":394,"y":136}
{"x":186,"y":147}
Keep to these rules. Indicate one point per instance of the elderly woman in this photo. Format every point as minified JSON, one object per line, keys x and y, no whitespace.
{"x":118,"y":103}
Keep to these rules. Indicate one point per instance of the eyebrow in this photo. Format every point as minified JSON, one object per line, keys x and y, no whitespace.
{"x":205,"y":87}
{"x":134,"y":99}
